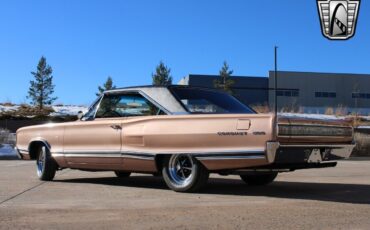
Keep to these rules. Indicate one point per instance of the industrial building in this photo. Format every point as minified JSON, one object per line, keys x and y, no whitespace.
{"x":249,"y":90}
{"x":304,"y":91}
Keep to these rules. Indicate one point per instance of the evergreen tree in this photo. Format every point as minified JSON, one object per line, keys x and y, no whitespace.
{"x":108,"y":85}
{"x":42,"y":88}
{"x":162,"y":75}
{"x":224,"y":82}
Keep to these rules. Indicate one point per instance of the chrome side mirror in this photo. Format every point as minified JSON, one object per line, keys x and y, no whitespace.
{"x":80,"y":114}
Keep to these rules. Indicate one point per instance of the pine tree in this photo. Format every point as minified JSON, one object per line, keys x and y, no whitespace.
{"x":42,"y":88}
{"x":162,"y":75}
{"x":108,"y":85}
{"x":224,"y":82}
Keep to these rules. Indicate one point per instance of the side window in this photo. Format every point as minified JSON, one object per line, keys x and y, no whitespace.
{"x":126,"y":105}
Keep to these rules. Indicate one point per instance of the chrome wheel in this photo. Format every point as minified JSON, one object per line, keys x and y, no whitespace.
{"x":184,"y":173}
{"x":45,"y":164}
{"x":181,"y":168}
{"x":41,"y":161}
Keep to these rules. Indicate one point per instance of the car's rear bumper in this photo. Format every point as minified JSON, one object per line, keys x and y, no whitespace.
{"x":277,"y":154}
{"x":310,"y":153}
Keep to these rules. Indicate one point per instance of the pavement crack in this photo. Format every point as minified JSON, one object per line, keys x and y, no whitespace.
{"x":27,"y":190}
{"x":18,"y":194}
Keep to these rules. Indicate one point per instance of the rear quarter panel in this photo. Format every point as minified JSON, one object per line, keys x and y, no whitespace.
{"x":197,"y":133}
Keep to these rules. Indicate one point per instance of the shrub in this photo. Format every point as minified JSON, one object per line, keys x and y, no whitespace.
{"x":329,"y":111}
{"x":341,"y":111}
{"x":261,"y":108}
{"x":362,"y":144}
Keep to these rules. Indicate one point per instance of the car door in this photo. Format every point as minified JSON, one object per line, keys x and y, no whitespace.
{"x":95,"y":141}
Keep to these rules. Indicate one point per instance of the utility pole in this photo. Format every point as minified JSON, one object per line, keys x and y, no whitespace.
{"x":276,"y":81}
{"x":275,"y":131}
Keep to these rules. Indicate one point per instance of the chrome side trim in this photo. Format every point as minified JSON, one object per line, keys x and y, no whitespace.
{"x":57,"y":154}
{"x":223,"y":157}
{"x":104,"y":154}
{"x":138,"y":156}
{"x":93,"y":155}
{"x":92,"y":152}
{"x":201,"y":153}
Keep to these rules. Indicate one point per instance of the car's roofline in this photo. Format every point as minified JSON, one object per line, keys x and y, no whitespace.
{"x":165,"y":95}
{"x":160,"y":86}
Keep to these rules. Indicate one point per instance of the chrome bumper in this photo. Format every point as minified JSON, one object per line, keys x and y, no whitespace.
{"x":17,"y":152}
{"x":312,"y":153}
{"x":22,"y":154}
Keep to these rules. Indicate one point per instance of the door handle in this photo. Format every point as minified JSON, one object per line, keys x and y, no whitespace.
{"x":116,"y":127}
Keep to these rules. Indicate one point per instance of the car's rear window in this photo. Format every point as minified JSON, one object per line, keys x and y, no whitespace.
{"x":209,"y":101}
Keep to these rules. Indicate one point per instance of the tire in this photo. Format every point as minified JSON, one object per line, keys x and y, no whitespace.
{"x":121,"y":174}
{"x":259,"y":179}
{"x":183,"y":173}
{"x":45,"y":164}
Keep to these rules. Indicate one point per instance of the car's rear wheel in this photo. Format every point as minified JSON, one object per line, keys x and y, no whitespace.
{"x":183,"y":173}
{"x":45,"y":164}
{"x":259,"y":179}
{"x":121,"y":174}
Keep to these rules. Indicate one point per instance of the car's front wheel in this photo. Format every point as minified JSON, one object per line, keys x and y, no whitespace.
{"x":259,"y":179}
{"x":46,"y":166}
{"x":183,"y":173}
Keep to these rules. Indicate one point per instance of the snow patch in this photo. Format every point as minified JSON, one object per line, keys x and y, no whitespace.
{"x":8,"y":108}
{"x":7,"y":151}
{"x":64,"y":110}
{"x":59,"y":110}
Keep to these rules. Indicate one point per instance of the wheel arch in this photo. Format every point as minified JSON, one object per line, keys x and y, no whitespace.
{"x":159,"y":158}
{"x":34,"y":145}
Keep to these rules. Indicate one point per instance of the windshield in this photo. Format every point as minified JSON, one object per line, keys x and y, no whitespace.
{"x":209,"y":101}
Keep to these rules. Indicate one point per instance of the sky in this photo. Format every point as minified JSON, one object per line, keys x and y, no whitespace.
{"x":85,"y":41}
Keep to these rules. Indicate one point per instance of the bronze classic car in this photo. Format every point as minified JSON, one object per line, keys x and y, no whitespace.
{"x":184,"y":134}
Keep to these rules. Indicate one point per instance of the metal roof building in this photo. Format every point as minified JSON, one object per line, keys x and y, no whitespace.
{"x":304,"y":91}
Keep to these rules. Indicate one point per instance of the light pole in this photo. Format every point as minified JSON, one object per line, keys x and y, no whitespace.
{"x":275,"y":98}
{"x":276,"y":81}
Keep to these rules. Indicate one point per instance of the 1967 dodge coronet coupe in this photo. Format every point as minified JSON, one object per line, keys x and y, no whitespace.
{"x":184,"y":134}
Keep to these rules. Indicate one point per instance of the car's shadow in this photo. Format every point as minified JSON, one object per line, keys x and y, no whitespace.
{"x":344,"y":193}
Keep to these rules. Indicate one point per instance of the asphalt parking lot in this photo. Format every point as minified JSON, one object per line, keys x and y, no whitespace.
{"x":334,"y":198}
